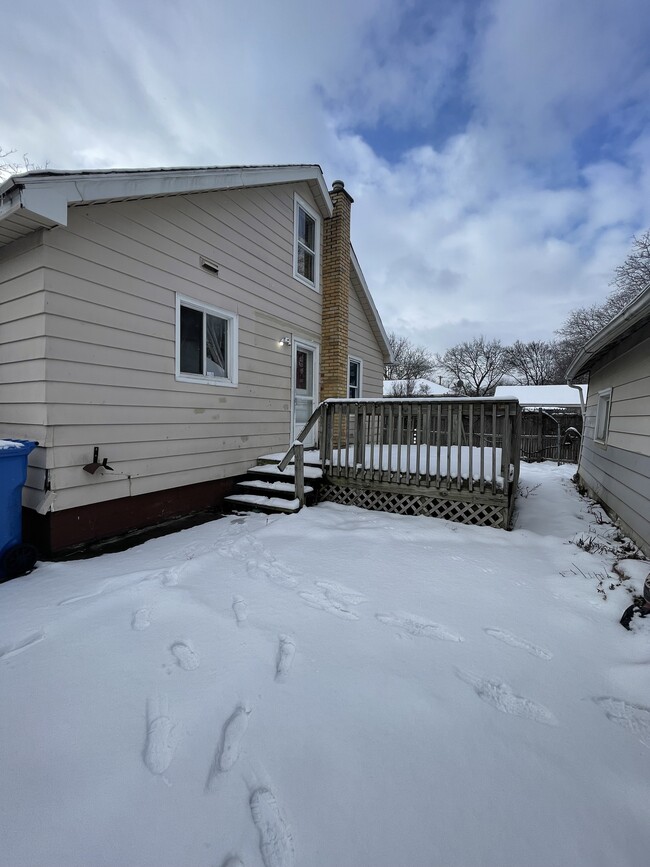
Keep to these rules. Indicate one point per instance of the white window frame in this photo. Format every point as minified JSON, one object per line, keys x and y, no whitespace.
{"x":299,"y":203}
{"x":232,"y":344}
{"x":603,"y":411}
{"x":359,"y":361}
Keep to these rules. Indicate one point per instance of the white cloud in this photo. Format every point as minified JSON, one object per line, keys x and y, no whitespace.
{"x":500,"y":228}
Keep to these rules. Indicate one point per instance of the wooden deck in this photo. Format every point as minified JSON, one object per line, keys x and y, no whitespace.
{"x":453,"y":458}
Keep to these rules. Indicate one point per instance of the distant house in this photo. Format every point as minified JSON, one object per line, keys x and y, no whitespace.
{"x":413,"y":388}
{"x":177,"y":323}
{"x":544,"y":396}
{"x":615,"y":459}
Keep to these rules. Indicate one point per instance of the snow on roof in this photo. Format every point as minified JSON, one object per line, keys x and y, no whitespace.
{"x":413,"y":387}
{"x":542,"y":395}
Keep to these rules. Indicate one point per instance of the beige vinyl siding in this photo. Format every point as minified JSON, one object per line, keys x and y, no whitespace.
{"x":618,"y":472}
{"x":628,"y":375}
{"x":23,"y":413}
{"x":363,"y":345}
{"x":111,"y":286}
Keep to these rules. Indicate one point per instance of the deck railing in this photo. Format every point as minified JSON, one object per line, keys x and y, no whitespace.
{"x":444,"y":443}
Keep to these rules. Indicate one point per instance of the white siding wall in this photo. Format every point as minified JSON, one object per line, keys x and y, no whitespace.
{"x":363,"y":345}
{"x":22,"y":354}
{"x":110,"y":301}
{"x":618,"y":473}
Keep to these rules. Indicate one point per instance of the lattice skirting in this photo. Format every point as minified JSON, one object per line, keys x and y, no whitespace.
{"x":483,"y":514}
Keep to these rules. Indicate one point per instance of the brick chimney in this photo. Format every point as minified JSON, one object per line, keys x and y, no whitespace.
{"x":336,"y":296}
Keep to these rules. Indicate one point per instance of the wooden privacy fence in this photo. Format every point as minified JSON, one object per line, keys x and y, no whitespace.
{"x":455,"y":458}
{"x":551,"y":434}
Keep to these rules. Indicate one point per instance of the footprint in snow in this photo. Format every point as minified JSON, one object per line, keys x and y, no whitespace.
{"x":233,"y":860}
{"x":417,"y":626}
{"x":186,"y":657}
{"x":501,"y":697}
{"x":332,"y":606}
{"x":161,"y":738}
{"x":340,"y":593}
{"x":230,"y":746}
{"x":286,"y":653}
{"x":271,"y":570}
{"x":240,"y":548}
{"x":10,"y":650}
{"x":140,"y":619}
{"x":276,"y":843}
{"x":240,"y":609}
{"x":521,"y":643}
{"x":633,"y":717}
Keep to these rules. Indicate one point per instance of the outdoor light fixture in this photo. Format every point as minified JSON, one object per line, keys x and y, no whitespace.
{"x":285,"y":341}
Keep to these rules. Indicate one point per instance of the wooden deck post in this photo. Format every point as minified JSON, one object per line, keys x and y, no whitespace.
{"x":299,"y":470}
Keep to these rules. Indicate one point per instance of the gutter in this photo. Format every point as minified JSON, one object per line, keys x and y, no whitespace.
{"x":583,"y":408}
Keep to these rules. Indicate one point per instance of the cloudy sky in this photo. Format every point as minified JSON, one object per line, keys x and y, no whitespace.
{"x":498,"y":150}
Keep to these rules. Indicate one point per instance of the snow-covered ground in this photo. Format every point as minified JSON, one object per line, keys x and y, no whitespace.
{"x":337,"y":688}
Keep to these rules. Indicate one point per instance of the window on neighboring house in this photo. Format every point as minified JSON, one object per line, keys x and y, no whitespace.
{"x":354,"y":377}
{"x":602,"y":416}
{"x":206,"y":343}
{"x":306,"y":253}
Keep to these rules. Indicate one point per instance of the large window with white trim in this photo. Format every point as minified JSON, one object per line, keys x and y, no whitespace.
{"x":306,"y":244}
{"x":602,"y":416}
{"x":206,"y":343}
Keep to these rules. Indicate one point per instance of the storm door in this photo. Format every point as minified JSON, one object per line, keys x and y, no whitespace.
{"x":305,"y":387}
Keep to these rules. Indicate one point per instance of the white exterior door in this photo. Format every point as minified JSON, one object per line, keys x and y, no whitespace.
{"x":305,"y":387}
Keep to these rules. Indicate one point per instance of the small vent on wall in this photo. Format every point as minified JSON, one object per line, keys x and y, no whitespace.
{"x":210,"y":266}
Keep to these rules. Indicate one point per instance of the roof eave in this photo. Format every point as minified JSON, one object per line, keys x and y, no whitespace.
{"x":632,"y":316}
{"x":48,"y":194}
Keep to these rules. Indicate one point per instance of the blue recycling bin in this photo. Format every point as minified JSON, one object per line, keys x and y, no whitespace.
{"x":16,"y":558}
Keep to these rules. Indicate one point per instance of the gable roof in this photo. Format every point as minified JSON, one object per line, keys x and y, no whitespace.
{"x":630,"y":319}
{"x":359,"y":282}
{"x":40,"y":199}
{"x":431,"y":388}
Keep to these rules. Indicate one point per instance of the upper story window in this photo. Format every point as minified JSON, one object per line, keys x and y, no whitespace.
{"x":354,"y":377}
{"x":206,"y":343}
{"x":306,"y":244}
{"x":602,"y":416}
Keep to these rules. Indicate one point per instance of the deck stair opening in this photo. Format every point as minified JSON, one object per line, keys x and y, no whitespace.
{"x":266,"y":488}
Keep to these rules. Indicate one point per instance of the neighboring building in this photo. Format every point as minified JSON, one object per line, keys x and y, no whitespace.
{"x":551,"y":421}
{"x":544,"y":396}
{"x":615,"y":458}
{"x":413,"y":388}
{"x":181,"y":321}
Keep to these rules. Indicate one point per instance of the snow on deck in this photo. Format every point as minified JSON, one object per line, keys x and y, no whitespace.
{"x":336,"y":687}
{"x":414,"y":458}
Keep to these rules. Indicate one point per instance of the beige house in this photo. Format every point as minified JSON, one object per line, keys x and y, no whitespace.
{"x":182,"y":322}
{"x":615,"y":456}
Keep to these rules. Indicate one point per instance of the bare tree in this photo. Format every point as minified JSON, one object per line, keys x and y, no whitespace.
{"x":633,"y":275}
{"x":408,"y":388}
{"x":9,"y":166}
{"x":410,"y":361}
{"x":476,"y":366}
{"x":630,"y":278}
{"x":533,"y":363}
